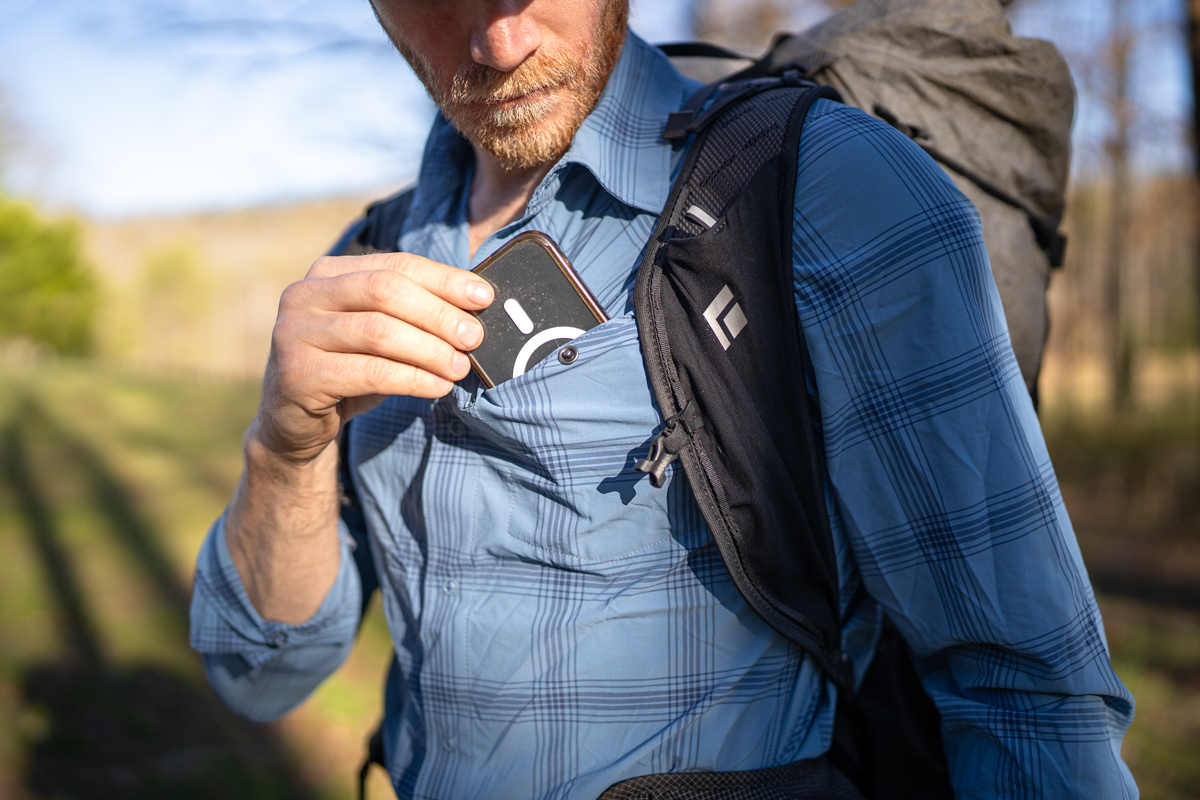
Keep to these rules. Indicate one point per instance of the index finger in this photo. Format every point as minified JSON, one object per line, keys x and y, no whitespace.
{"x":460,"y":287}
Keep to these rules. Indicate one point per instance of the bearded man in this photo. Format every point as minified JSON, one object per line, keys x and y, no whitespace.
{"x":560,"y":626}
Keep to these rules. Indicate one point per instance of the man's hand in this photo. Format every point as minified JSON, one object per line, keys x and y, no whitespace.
{"x":359,"y":328}
{"x":356,"y":329}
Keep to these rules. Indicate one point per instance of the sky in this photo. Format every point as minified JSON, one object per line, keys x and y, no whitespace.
{"x":135,"y":107}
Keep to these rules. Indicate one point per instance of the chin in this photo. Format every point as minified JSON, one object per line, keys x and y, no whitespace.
{"x":526,"y":146}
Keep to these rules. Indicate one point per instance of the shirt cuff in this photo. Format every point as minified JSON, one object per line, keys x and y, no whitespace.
{"x":224,"y":621}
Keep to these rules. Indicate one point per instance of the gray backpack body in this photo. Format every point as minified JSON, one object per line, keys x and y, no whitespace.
{"x":995,"y":110}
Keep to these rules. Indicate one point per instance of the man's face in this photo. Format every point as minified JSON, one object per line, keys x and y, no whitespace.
{"x":517,"y":78}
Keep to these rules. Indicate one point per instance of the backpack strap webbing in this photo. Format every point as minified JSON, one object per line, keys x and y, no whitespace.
{"x":378,"y":229}
{"x":717,"y":321}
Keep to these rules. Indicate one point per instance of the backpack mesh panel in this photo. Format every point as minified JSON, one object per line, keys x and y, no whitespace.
{"x":721,"y":172}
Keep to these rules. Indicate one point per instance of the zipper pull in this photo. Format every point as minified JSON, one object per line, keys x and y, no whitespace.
{"x":667,"y":444}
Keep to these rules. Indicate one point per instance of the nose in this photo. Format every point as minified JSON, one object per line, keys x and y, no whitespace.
{"x":504,"y":36}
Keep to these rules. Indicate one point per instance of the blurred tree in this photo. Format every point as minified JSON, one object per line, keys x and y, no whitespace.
{"x":47,"y":292}
{"x":1118,"y":340}
{"x":748,"y":26}
{"x":6,"y":145}
{"x":745,"y":26}
{"x":1192,"y":12}
{"x":10,"y":137}
{"x":177,"y":292}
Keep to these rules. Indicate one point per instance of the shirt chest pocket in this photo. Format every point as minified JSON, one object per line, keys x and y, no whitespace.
{"x":561,"y":441}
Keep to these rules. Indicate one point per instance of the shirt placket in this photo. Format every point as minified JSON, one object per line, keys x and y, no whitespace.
{"x":450,"y":474}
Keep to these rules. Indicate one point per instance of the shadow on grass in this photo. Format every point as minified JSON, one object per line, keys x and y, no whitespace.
{"x":113,"y":731}
{"x":1146,"y":587}
{"x":113,"y":500}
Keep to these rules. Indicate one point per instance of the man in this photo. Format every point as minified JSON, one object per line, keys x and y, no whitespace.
{"x":561,"y":626}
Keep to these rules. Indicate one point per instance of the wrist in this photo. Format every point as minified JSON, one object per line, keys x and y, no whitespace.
{"x":262,"y":451}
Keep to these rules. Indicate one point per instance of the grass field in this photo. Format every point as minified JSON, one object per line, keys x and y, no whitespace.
{"x":108,"y":482}
{"x":109,"y":479}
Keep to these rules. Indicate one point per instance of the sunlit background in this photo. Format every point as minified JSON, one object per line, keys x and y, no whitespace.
{"x":166,"y":168}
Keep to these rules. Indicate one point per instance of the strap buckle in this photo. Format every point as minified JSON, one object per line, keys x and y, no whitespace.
{"x":668,"y":443}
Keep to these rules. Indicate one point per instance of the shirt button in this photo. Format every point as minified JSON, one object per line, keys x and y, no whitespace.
{"x":450,"y":586}
{"x":449,"y":744}
{"x":457,"y":428}
{"x":278,"y":639}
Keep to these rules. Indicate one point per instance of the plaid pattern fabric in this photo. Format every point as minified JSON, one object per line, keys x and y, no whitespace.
{"x":560,"y":626}
{"x":944,"y":493}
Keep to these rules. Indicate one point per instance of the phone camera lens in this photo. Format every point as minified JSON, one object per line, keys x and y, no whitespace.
{"x":568,"y":354}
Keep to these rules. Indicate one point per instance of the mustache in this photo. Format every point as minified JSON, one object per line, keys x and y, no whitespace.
{"x":478,"y":83}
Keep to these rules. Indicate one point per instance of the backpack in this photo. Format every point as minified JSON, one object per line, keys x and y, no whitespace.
{"x":995,"y":110}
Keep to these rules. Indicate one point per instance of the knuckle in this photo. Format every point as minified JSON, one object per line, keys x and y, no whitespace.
{"x":381,"y":373}
{"x":379,"y":286}
{"x":439,"y":353}
{"x":281,"y":341}
{"x":403,"y":263}
{"x":416,"y":380}
{"x":285,"y":334}
{"x":446,"y":319}
{"x":453,"y":283}
{"x":292,"y":296}
{"x":374,"y":331}
{"x":432,"y":385}
{"x":322,"y":266}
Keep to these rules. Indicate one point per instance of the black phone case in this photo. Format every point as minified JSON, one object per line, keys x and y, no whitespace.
{"x":541,"y":304}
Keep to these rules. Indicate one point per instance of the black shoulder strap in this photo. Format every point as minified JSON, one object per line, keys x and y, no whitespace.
{"x":700,"y":50}
{"x":718,"y":328}
{"x":378,"y":229}
{"x":717,"y":320}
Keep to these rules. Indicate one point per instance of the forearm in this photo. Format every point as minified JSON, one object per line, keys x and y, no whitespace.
{"x":262,"y":668}
{"x":282,"y":530}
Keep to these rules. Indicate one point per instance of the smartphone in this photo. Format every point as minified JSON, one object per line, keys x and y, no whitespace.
{"x":541,"y":304}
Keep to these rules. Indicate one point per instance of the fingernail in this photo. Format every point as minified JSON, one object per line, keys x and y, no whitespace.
{"x":461,"y":364}
{"x":479,"y":292}
{"x":470,"y":333}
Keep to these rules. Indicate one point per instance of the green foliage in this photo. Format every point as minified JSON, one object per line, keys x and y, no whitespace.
{"x":47,"y":291}
{"x":176,"y":284}
{"x":1132,"y":486}
{"x":1156,"y":651}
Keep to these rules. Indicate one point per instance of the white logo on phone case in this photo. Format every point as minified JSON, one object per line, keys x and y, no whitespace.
{"x":518,"y":316}
{"x":531,"y":346}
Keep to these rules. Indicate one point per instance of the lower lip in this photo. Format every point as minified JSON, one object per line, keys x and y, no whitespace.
{"x":512,"y":101}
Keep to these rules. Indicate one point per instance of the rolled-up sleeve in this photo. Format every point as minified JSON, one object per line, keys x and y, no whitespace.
{"x":943,"y":489}
{"x":263,"y":669}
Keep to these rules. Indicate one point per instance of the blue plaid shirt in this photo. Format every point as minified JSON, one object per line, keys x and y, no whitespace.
{"x":560,"y":625}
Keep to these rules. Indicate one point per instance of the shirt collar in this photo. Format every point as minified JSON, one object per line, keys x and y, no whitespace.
{"x":620,"y":142}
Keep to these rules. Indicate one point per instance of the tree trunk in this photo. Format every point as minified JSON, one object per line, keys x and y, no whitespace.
{"x":1118,"y":345}
{"x":1193,"y":17}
